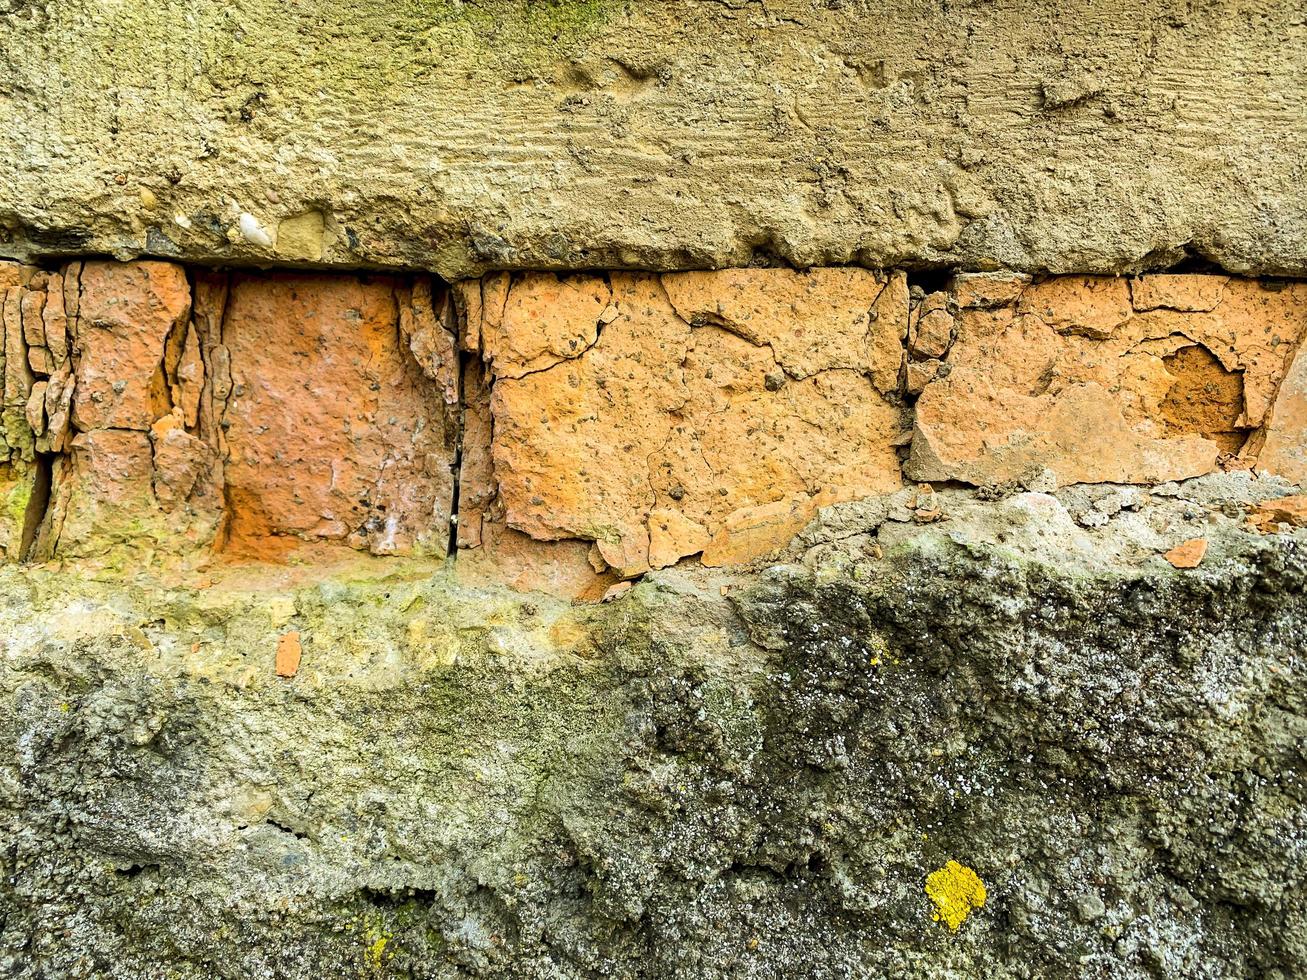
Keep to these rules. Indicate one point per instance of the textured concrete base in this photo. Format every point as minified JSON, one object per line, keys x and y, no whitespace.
{"x":713,"y":776}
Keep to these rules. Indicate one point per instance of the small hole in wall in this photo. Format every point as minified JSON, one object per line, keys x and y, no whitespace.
{"x":37,"y":503}
{"x":1195,"y":265}
{"x":930,"y":280}
{"x":1189,"y":261}
{"x":134,"y":870}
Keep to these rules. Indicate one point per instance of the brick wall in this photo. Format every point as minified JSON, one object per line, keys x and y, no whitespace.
{"x":594,"y":427}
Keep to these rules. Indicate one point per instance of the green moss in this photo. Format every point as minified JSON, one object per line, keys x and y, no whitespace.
{"x":265,"y":52}
{"x":541,"y":23}
{"x":790,"y":805}
{"x":17,"y":433}
{"x":16,"y":498}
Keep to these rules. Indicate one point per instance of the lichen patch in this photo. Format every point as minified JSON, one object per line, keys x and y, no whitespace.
{"x":956,"y":890}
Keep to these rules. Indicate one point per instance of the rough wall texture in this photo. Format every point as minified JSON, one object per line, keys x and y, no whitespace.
{"x":719,"y":489}
{"x":683,"y":783}
{"x":662,"y":439}
{"x":645,"y":418}
{"x":461,"y":137}
{"x":1105,"y":380}
{"x":1048,"y":724}
{"x":335,"y":431}
{"x":167,"y":418}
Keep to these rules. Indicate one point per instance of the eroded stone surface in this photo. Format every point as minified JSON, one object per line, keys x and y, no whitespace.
{"x":1273,"y":515}
{"x":490,"y":550}
{"x":130,"y":476}
{"x":544,"y":320}
{"x":582,"y":134}
{"x":504,"y":556}
{"x":662,"y":435}
{"x":1186,"y":293}
{"x":813,"y":321}
{"x":618,"y":423}
{"x":930,"y":331}
{"x":16,"y":439}
{"x":109,"y":494}
{"x":144,"y":418}
{"x":1067,"y":376}
{"x":124,"y":498}
{"x":714,"y":756}
{"x":426,"y":323}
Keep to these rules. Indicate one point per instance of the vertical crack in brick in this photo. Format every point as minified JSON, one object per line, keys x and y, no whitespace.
{"x":38,"y":504}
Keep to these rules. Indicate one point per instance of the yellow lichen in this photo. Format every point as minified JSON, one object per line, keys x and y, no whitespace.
{"x":956,"y":890}
{"x":376,"y":951}
{"x":376,"y":938}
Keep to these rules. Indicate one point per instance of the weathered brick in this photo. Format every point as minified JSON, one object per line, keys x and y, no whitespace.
{"x":1066,"y":376}
{"x":332,"y":430}
{"x":708,"y":402}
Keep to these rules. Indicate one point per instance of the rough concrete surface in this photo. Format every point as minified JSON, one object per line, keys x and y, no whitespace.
{"x":1011,"y":741}
{"x":463,"y":136}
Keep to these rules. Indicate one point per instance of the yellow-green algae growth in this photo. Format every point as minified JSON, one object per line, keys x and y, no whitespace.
{"x":956,"y":890}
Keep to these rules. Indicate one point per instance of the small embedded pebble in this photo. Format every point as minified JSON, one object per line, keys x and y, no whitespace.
{"x":1090,"y":907}
{"x":253,"y":232}
{"x":614,"y":591}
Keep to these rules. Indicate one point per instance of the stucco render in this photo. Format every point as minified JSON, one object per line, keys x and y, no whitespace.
{"x":461,"y":137}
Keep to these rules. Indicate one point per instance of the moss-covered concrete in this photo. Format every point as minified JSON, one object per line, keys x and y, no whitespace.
{"x":1086,"y":761}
